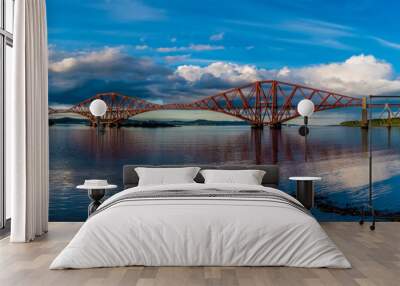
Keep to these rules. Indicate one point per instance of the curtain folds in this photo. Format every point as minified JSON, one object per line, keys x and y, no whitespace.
{"x":27,"y":124}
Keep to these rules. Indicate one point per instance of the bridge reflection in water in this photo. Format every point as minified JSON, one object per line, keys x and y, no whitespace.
{"x":234,"y":143}
{"x":339,"y":154}
{"x":262,"y":146}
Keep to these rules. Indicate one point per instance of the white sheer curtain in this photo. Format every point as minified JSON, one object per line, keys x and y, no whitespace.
{"x":27,"y":124}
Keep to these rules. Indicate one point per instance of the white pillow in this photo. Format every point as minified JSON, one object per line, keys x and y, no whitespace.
{"x":166,"y":176}
{"x":247,"y":177}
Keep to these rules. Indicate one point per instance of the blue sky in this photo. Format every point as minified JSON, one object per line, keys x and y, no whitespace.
{"x":176,"y":50}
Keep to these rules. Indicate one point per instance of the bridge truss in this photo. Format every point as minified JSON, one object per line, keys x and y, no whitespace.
{"x":268,"y":102}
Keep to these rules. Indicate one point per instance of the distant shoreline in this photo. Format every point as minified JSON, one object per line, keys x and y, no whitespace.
{"x":152,"y":123}
{"x":394,"y":122}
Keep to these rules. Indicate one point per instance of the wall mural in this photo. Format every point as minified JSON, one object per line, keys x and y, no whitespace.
{"x":196,"y":83}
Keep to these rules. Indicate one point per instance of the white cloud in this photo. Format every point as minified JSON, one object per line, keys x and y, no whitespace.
{"x":78,"y":70}
{"x":304,"y":31}
{"x":129,"y":10}
{"x":178,"y":58}
{"x":173,"y":40}
{"x":191,"y":47}
{"x":101,"y":56}
{"x":321,"y":42}
{"x":311,"y":27}
{"x":228,"y":72}
{"x":217,"y":37}
{"x":358,"y":75}
{"x":141,"y":47}
{"x":283,"y":72}
{"x":205,"y":47}
{"x":169,"y":49}
{"x":386,"y":43}
{"x":317,"y":28}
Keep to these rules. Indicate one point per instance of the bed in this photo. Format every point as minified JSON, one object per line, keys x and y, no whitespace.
{"x":197,"y":224}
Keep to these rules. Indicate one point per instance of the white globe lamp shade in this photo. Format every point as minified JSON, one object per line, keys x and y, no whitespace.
{"x":305,"y":108}
{"x":98,"y":107}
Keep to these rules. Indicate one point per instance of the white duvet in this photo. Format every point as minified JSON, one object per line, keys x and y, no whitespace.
{"x":193,"y":231}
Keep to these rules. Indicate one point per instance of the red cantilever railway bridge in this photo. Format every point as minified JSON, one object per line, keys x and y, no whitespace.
{"x":267,"y":102}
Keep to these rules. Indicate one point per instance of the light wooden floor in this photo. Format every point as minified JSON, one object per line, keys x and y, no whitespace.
{"x":375,"y":257}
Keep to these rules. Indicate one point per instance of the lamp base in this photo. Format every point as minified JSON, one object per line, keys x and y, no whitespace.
{"x":304,"y":131}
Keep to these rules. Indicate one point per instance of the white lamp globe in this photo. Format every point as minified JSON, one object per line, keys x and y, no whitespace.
{"x":305,"y":108}
{"x":98,"y":107}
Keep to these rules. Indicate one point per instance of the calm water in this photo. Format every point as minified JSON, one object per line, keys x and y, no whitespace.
{"x":338,"y":154}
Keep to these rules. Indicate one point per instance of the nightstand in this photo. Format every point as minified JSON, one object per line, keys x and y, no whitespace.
{"x":96,"y":190}
{"x":305,"y":190}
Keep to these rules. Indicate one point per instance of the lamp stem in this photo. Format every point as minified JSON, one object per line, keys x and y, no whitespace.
{"x":98,"y":124}
{"x":370,"y":150}
{"x":305,"y":137}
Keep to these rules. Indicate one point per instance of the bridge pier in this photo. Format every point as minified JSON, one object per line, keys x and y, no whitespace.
{"x":275,"y":126}
{"x":105,"y":124}
{"x":364,"y":113}
{"x":256,"y":137}
{"x":257,"y":126}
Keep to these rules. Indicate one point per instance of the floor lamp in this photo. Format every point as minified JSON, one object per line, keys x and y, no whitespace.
{"x":370,"y":204}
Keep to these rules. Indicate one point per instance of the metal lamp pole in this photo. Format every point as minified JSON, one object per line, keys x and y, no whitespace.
{"x":98,"y":124}
{"x":306,"y":131}
{"x":305,"y":108}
